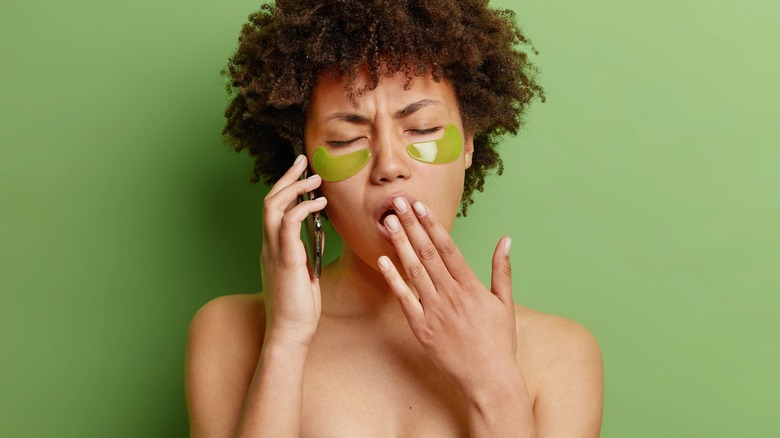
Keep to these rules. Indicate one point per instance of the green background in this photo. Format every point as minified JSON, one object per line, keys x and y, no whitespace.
{"x":642,"y":199}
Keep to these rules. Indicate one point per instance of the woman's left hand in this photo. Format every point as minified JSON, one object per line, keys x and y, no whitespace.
{"x":468,"y":330}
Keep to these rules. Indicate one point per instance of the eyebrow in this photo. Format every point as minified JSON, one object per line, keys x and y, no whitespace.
{"x":410,"y":109}
{"x":406,"y":111}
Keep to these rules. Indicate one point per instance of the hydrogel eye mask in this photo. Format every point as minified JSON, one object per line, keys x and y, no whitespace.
{"x":442,"y":151}
{"x":338,"y":167}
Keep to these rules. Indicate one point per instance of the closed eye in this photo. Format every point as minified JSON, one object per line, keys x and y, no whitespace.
{"x":424,"y":131}
{"x":342,"y":142}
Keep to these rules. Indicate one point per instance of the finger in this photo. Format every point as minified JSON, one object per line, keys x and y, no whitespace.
{"x":290,"y":232}
{"x":425,"y":249}
{"x":501,"y":277}
{"x":414,"y":269}
{"x":445,"y":246}
{"x":282,"y":201}
{"x":410,"y":304}
{"x":292,"y":174}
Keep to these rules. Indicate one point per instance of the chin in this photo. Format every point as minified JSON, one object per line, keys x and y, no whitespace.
{"x":368,"y":249}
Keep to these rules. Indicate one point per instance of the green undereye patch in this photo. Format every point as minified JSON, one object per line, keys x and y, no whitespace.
{"x":338,"y":167}
{"x":442,"y":151}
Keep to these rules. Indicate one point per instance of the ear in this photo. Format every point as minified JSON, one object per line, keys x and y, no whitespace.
{"x":468,"y":150}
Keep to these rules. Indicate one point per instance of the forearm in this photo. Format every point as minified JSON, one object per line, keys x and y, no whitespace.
{"x":500,"y":407}
{"x":273,"y":403}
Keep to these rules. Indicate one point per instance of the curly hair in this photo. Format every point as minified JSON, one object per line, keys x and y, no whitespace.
{"x":284,"y":48}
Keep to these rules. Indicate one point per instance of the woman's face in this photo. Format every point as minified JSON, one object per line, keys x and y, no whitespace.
{"x":385,"y":121}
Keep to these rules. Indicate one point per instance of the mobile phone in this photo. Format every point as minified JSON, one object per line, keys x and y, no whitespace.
{"x":312,"y":234}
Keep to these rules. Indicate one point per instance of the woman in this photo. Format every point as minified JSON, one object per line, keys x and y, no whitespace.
{"x":397,"y":337}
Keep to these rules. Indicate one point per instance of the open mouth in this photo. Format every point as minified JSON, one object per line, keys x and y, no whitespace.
{"x":384,"y":215}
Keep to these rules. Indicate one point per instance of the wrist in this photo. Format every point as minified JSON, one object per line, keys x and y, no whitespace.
{"x":290,"y":356}
{"x":494,"y":385}
{"x":292,"y":335}
{"x":286,"y":342}
{"x":499,"y":405}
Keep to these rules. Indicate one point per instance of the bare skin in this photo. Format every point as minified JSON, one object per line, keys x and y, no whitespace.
{"x":397,"y":338}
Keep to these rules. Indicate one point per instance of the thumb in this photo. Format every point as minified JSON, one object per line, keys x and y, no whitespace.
{"x":501,"y":278}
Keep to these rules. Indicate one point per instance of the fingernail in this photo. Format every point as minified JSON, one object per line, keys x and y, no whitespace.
{"x":392,"y":223}
{"x":419,"y":208}
{"x":298,"y":160}
{"x":507,"y":245}
{"x":400,"y":205}
{"x":313,"y":176}
{"x":384,"y":263}
{"x":321,"y":199}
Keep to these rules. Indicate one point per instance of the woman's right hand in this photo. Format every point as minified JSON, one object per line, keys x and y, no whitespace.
{"x":292,"y":294}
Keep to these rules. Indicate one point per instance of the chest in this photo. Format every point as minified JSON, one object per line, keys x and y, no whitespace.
{"x":372,"y":385}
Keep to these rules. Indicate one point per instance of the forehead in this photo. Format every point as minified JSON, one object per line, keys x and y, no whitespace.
{"x":391,"y":93}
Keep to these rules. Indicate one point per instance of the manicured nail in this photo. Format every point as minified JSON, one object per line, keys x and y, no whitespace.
{"x":315,"y":176}
{"x":392,"y":223}
{"x":507,"y":245}
{"x":298,"y":160}
{"x":321,"y":199}
{"x":384,"y":263}
{"x":420,"y":208}
{"x":400,"y":205}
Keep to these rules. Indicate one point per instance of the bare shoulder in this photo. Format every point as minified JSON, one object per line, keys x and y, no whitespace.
{"x":223,"y":345}
{"x":564,"y":364}
{"x":230,"y":315}
{"x":554,"y":338}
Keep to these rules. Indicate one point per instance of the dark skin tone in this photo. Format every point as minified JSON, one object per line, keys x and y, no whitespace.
{"x":398,"y":337}
{"x":286,"y":47}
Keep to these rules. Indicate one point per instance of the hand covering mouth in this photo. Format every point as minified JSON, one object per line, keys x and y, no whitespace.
{"x":386,"y":208}
{"x":384,"y":215}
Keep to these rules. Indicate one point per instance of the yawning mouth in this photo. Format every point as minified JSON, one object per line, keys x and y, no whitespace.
{"x":385,"y":215}
{"x":386,"y":208}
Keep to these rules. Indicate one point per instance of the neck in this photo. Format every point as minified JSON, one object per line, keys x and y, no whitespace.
{"x":352,"y":288}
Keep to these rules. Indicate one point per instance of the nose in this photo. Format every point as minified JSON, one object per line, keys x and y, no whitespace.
{"x":390,"y":161}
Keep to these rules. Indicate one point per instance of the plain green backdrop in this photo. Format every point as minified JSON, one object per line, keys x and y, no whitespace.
{"x":642,"y":199}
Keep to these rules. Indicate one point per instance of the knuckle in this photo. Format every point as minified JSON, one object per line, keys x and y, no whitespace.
{"x":408,"y":220}
{"x":408,"y":300}
{"x":392,"y":279}
{"x":300,"y":187}
{"x":268,"y":205}
{"x":427,"y":335}
{"x":448,"y":248}
{"x":288,"y":221}
{"x":504,"y":268}
{"x":427,"y":253}
{"x":307,"y":185}
{"x":416,"y":271}
{"x":399,"y":239}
